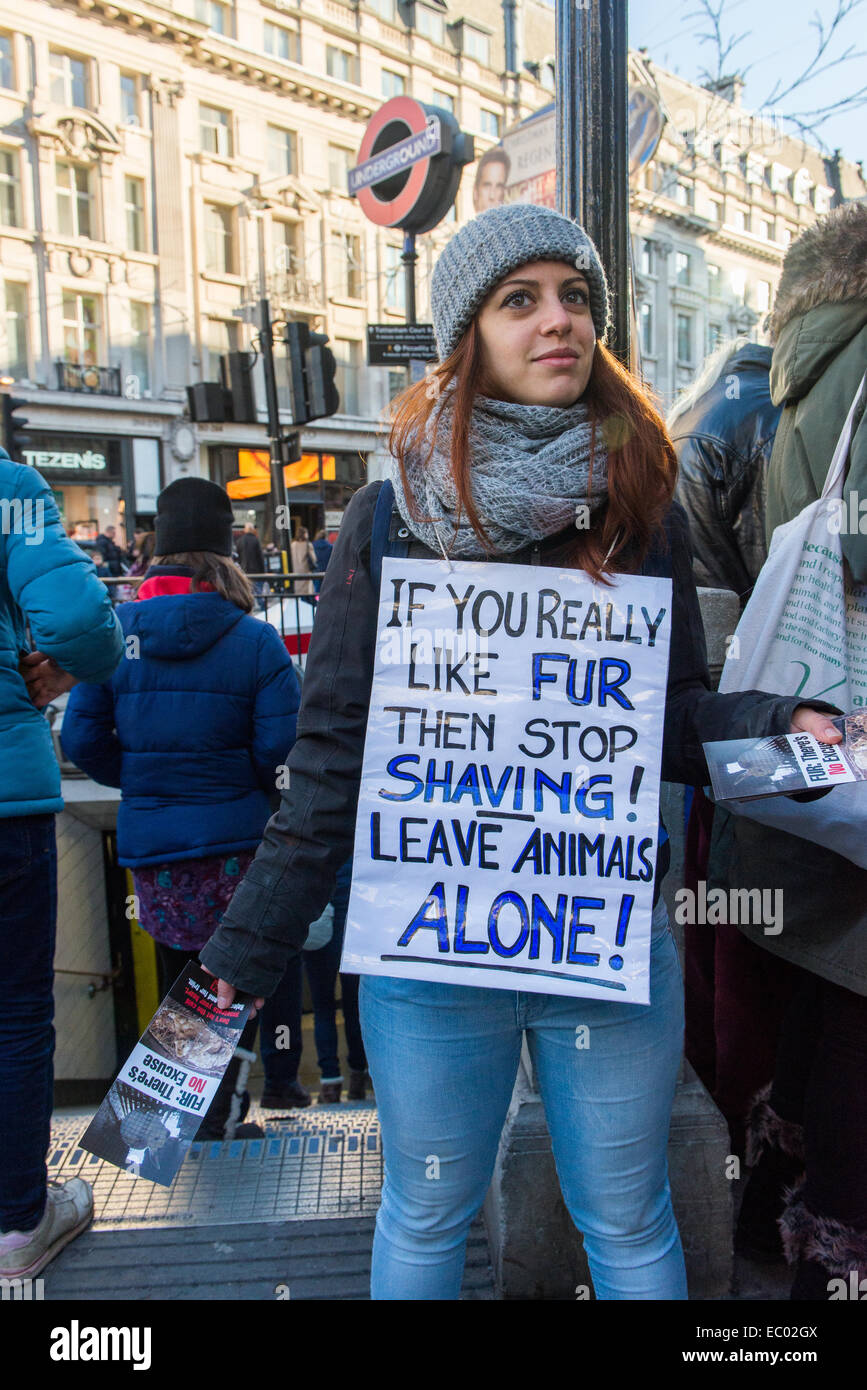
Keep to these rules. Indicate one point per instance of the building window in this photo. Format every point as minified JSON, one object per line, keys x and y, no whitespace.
{"x":340,"y":161}
{"x":221,"y":338}
{"x":16,"y":358}
{"x":219,"y":239}
{"x":280,"y":151}
{"x":475,"y":44}
{"x":714,"y":336}
{"x":684,"y":193}
{"x":134,"y":207}
{"x":714,"y":210}
{"x":393,"y":84}
{"x":345,"y":268}
{"x":285,"y":247}
{"x":130,"y":113}
{"x":398,"y":379}
{"x":646,"y":320}
{"x":738,"y":280}
{"x":430,"y":23}
{"x":139,"y":354}
{"x":548,"y":76}
{"x":714,"y":280}
{"x":7,"y":62}
{"x":648,"y":265}
{"x":348,"y":354}
{"x":763,"y":296}
{"x":282,"y":43}
{"x":215,"y":130}
{"x":395,"y":280}
{"x":81,"y":329}
{"x":10,"y":194}
{"x":386,"y":9}
{"x":665,"y":180}
{"x":789,"y":235}
{"x":684,"y":339}
{"x":445,"y":100}
{"x":75,"y":203}
{"x":683,"y":267}
{"x":766,"y":229}
{"x":216,"y":14}
{"x":489,"y":123}
{"x":342,"y":64}
{"x":69,"y":79}
{"x":740,"y":220}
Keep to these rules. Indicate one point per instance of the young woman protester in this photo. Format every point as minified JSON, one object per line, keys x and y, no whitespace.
{"x":527,"y":423}
{"x":192,"y":727}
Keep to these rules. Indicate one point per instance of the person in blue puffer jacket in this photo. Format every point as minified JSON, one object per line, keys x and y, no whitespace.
{"x":194,"y":727}
{"x":56,"y":627}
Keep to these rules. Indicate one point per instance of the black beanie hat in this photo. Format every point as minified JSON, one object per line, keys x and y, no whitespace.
{"x":193,"y":514}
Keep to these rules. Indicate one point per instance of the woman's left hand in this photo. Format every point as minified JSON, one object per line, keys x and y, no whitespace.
{"x":811,"y":721}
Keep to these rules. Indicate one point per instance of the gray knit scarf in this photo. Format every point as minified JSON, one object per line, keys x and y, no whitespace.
{"x":530,"y":471}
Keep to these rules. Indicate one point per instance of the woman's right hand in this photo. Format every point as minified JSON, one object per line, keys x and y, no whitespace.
{"x":226,"y":995}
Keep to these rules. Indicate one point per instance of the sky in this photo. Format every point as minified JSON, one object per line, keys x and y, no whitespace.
{"x":780,"y":43}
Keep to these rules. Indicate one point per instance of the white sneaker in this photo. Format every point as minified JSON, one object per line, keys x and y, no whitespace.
{"x":68,"y":1211}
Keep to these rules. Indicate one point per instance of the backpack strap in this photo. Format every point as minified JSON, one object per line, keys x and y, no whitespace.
{"x":389,"y":536}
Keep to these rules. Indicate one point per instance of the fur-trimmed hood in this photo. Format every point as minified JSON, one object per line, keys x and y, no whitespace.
{"x":826,"y":265}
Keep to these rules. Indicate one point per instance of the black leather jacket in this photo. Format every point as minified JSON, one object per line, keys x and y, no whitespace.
{"x":723,"y":447}
{"x":311,"y":835}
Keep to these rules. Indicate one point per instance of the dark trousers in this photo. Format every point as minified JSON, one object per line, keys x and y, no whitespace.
{"x":283,"y":1009}
{"x":819,"y":1083}
{"x":28,"y":920}
{"x":170,"y":963}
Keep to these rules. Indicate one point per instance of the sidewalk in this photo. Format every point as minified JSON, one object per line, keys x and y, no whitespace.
{"x":287,"y":1216}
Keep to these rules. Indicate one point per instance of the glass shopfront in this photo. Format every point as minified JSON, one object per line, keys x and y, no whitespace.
{"x":91,"y":477}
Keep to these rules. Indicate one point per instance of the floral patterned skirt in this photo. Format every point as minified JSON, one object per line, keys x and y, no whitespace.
{"x":180,"y":904}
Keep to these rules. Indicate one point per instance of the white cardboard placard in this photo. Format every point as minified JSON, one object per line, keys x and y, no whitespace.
{"x":509,"y":807}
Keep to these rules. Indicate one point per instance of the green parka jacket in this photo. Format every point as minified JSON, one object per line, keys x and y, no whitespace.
{"x":819,"y":323}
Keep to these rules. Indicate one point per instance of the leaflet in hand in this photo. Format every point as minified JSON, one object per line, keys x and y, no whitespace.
{"x":746,"y":769}
{"x":150,"y":1116}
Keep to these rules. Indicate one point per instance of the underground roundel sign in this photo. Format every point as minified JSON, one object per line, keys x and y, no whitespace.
{"x":409,"y":165}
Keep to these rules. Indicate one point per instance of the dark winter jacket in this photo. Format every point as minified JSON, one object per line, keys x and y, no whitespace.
{"x":192,"y":726}
{"x":112,"y":555}
{"x":48,"y":583}
{"x":723,"y":447}
{"x":820,"y":324}
{"x":250,"y":556}
{"x":305,"y":843}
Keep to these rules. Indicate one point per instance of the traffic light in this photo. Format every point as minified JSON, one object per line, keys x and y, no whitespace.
{"x":321,"y":370}
{"x":296,"y":336}
{"x":15,"y":438}
{"x":312,"y":367}
{"x":236,"y":371}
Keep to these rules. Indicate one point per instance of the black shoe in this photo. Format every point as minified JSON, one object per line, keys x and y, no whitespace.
{"x":358,"y":1084}
{"x":757,"y":1234}
{"x":292,"y":1096}
{"x":249,"y":1131}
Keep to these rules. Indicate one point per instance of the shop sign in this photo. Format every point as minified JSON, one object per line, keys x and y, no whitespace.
{"x":44,"y":458}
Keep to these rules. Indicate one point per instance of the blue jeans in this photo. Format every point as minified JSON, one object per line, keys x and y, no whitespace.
{"x":28,"y":919}
{"x":443,"y":1059}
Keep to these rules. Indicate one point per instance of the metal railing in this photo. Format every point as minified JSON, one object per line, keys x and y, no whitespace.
{"x":292,"y":614}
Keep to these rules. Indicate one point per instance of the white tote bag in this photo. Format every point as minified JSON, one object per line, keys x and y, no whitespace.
{"x":804,"y":632}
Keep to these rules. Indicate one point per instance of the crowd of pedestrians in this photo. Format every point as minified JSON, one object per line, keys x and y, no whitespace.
{"x":249,"y":871}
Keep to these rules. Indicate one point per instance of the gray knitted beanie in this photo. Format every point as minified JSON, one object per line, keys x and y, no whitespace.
{"x":496,"y":242}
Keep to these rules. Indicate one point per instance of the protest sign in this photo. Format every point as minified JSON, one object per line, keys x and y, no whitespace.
{"x":508,"y":813}
{"x":164,"y":1089}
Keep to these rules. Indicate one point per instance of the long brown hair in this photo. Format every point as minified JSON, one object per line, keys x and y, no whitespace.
{"x":219,"y":571}
{"x":642,"y":465}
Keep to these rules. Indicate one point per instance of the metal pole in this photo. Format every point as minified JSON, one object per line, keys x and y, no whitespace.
{"x":592,"y":140}
{"x":409,"y":256}
{"x":266,"y":343}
